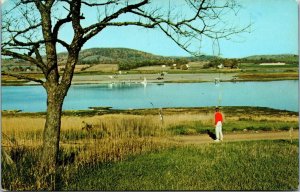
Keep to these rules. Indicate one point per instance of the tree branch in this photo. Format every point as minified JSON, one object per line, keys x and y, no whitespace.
{"x":63,"y":43}
{"x":94,"y":29}
{"x":19,"y":76}
{"x":100,"y":4}
{"x":141,"y":24}
{"x":75,"y":46}
{"x":25,"y":44}
{"x":18,"y":32}
{"x":24,"y":57}
{"x":60,"y":22}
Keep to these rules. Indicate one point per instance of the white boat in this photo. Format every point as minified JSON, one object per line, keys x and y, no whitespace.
{"x":144,"y":82}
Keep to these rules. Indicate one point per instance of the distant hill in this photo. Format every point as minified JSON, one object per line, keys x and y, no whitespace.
{"x":126,"y":59}
{"x":130,"y":58}
{"x":119,"y":55}
{"x":111,"y":55}
{"x":287,"y":58}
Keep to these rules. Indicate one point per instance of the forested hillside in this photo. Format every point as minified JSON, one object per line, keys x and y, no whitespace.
{"x":286,"y":58}
{"x":124,"y":57}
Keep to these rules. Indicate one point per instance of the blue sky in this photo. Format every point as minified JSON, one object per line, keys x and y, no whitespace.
{"x":274,"y":30}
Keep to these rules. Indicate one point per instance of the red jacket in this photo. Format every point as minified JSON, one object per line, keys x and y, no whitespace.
{"x":218,"y":117}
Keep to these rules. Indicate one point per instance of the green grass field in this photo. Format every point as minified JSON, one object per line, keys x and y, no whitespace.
{"x":263,"y":165}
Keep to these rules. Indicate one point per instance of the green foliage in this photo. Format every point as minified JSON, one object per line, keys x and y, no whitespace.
{"x":115,"y":56}
{"x":197,"y":127}
{"x":181,"y":61}
{"x":191,"y":128}
{"x":286,"y":58}
{"x":212,"y":64}
{"x":259,"y":125}
{"x":184,"y":67}
{"x":227,"y":63}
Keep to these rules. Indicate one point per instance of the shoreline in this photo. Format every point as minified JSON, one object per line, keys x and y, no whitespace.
{"x":153,"y":78}
{"x":154,"y":111}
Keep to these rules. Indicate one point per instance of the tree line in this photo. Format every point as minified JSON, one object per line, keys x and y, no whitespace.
{"x":218,"y":63}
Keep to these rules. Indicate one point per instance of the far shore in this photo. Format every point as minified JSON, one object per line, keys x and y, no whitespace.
{"x":158,"y":78}
{"x":232,"y":110}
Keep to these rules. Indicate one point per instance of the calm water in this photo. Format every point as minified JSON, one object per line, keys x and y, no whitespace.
{"x":274,"y":94}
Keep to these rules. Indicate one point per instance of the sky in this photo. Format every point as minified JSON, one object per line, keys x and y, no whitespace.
{"x":274,"y":30}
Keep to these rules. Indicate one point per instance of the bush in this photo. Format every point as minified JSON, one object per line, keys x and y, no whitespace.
{"x":184,"y":67}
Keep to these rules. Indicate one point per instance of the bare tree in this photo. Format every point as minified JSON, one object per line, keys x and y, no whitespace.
{"x":31,"y":32}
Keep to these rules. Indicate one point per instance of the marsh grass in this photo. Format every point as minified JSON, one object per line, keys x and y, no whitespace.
{"x":110,"y":139}
{"x":111,"y":129}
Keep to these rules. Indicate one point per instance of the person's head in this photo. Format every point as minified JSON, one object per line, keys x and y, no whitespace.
{"x":217,"y":109}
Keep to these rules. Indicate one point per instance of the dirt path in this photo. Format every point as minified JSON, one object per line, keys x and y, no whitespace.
{"x":232,"y":137}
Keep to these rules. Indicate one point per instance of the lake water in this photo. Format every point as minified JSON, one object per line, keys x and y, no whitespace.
{"x":274,"y":94}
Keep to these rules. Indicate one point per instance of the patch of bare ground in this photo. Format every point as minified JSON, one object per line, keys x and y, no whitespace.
{"x":243,"y":136}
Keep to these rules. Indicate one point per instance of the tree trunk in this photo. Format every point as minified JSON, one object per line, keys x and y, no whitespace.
{"x":51,"y":138}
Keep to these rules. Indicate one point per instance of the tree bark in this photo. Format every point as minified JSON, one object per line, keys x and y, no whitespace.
{"x":51,"y":138}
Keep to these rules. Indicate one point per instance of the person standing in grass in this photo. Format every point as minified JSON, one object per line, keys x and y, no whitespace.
{"x":218,"y":124}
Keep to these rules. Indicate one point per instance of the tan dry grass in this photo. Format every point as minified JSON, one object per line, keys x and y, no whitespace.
{"x":25,"y":131}
{"x":28,"y":131}
{"x":116,"y":149}
{"x":77,"y":67}
{"x":19,"y":125}
{"x":124,"y":135}
{"x":197,"y":64}
{"x":184,"y":118}
{"x":104,"y":68}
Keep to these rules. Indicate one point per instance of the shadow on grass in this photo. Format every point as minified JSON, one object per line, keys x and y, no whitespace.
{"x":288,"y":141}
{"x":211,"y":134}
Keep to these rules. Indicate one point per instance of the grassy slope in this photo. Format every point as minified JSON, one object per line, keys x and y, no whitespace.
{"x":262,"y":165}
